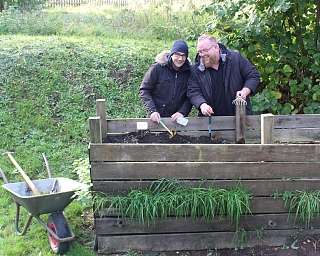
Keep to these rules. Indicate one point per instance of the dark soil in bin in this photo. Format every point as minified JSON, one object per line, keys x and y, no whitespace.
{"x":161,"y":137}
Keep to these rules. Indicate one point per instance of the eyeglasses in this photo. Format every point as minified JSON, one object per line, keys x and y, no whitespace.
{"x":206,"y":50}
{"x":178,"y":55}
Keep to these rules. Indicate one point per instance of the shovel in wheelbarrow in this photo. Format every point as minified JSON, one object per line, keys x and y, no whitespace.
{"x":47,"y":202}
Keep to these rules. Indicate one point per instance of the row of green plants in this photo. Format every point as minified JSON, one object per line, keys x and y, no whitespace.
{"x":165,"y":198}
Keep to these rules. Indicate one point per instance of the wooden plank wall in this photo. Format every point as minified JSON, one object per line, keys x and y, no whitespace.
{"x":262,"y":169}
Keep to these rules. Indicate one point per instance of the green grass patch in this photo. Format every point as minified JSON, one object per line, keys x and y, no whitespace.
{"x":159,"y":21}
{"x":48,"y":87}
{"x":305,"y":205}
{"x":166,"y":198}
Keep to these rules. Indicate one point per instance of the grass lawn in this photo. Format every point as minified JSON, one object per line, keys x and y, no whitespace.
{"x":48,"y":87}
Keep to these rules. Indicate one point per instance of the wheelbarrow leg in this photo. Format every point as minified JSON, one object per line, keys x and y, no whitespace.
{"x":26,"y":226}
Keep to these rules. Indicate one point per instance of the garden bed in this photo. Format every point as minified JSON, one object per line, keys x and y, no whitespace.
{"x":262,"y":169}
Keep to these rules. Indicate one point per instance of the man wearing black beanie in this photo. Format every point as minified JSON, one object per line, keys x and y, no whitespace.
{"x":164,"y":86}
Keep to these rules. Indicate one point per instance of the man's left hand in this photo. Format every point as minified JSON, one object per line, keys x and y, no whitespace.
{"x":243,"y":93}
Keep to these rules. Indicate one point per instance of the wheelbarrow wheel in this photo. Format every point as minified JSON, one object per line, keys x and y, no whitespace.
{"x":58,"y":224}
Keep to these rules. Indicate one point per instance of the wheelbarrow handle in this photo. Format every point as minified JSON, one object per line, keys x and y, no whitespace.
{"x":24,"y":175}
{"x":3,"y":176}
{"x":47,"y":165}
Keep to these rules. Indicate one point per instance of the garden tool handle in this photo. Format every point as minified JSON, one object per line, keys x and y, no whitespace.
{"x":47,"y":165}
{"x":209,"y":125}
{"x":3,"y":176}
{"x":166,"y":127}
{"x":24,"y":175}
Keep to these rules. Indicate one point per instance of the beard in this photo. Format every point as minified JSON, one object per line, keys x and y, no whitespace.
{"x":209,"y":60}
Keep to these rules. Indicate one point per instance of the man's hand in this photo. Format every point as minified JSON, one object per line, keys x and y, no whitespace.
{"x":243,"y":93}
{"x":206,"y":110}
{"x":175,"y":116}
{"x":155,"y":117}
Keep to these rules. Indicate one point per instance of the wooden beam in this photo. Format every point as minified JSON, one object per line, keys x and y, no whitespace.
{"x":297,"y":121}
{"x":194,"y":241}
{"x":95,"y":130}
{"x":240,"y":123}
{"x":204,"y":153}
{"x":194,"y":124}
{"x":203,"y":170}
{"x":121,"y":226}
{"x":299,"y":135}
{"x":266,"y":128}
{"x":101,"y":112}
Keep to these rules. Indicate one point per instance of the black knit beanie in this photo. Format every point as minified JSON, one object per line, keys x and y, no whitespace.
{"x":179,"y":46}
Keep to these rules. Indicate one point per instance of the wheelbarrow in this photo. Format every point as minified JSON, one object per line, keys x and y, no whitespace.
{"x":55,"y":195}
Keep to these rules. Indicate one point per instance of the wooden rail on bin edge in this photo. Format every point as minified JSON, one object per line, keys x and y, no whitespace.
{"x":264,"y":129}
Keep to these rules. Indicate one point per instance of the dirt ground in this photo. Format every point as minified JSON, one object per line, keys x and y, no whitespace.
{"x":161,"y":137}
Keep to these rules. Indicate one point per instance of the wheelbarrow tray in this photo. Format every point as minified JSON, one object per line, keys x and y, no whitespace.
{"x":46,"y":202}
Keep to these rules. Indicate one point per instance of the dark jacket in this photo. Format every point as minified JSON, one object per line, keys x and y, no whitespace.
{"x":238,"y":72}
{"x":164,"y":89}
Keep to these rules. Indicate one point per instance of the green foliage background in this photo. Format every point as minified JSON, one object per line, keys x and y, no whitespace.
{"x":281,"y":37}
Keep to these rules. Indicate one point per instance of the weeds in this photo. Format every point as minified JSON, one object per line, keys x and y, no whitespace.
{"x":165,"y":198}
{"x":305,"y":205}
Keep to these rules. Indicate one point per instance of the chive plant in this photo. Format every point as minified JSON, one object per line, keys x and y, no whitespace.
{"x":165,"y":198}
{"x":305,"y":205}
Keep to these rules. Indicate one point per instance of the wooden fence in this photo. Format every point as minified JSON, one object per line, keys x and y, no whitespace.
{"x":74,"y":3}
{"x":263,"y":169}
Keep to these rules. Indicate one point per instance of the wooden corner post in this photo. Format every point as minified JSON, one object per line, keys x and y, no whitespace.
{"x":266,"y":128}
{"x":95,"y":129}
{"x":101,"y":112}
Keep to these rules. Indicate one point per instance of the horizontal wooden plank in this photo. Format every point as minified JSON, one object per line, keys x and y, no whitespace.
{"x":259,"y":205}
{"x":297,"y":121}
{"x":256,"y":187}
{"x":307,"y":135}
{"x":203,"y":170}
{"x":203,"y":153}
{"x":122,"y":226}
{"x":194,"y":241}
{"x":195,"y":123}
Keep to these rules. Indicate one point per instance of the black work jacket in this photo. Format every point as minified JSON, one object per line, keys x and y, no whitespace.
{"x":164,"y":89}
{"x":238,"y":72}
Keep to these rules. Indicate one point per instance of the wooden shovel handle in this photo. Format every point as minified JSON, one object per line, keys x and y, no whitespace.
{"x":166,"y":127}
{"x":24,"y":175}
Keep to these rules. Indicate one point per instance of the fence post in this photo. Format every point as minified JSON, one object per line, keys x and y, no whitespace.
{"x":101,"y":112}
{"x":95,"y":130}
{"x":266,"y":128}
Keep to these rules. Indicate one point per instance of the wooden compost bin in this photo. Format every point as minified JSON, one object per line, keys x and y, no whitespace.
{"x":262,"y":168}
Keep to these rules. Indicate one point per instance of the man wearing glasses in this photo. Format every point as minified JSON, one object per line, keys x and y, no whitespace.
{"x":218,"y":77}
{"x":164,"y":86}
